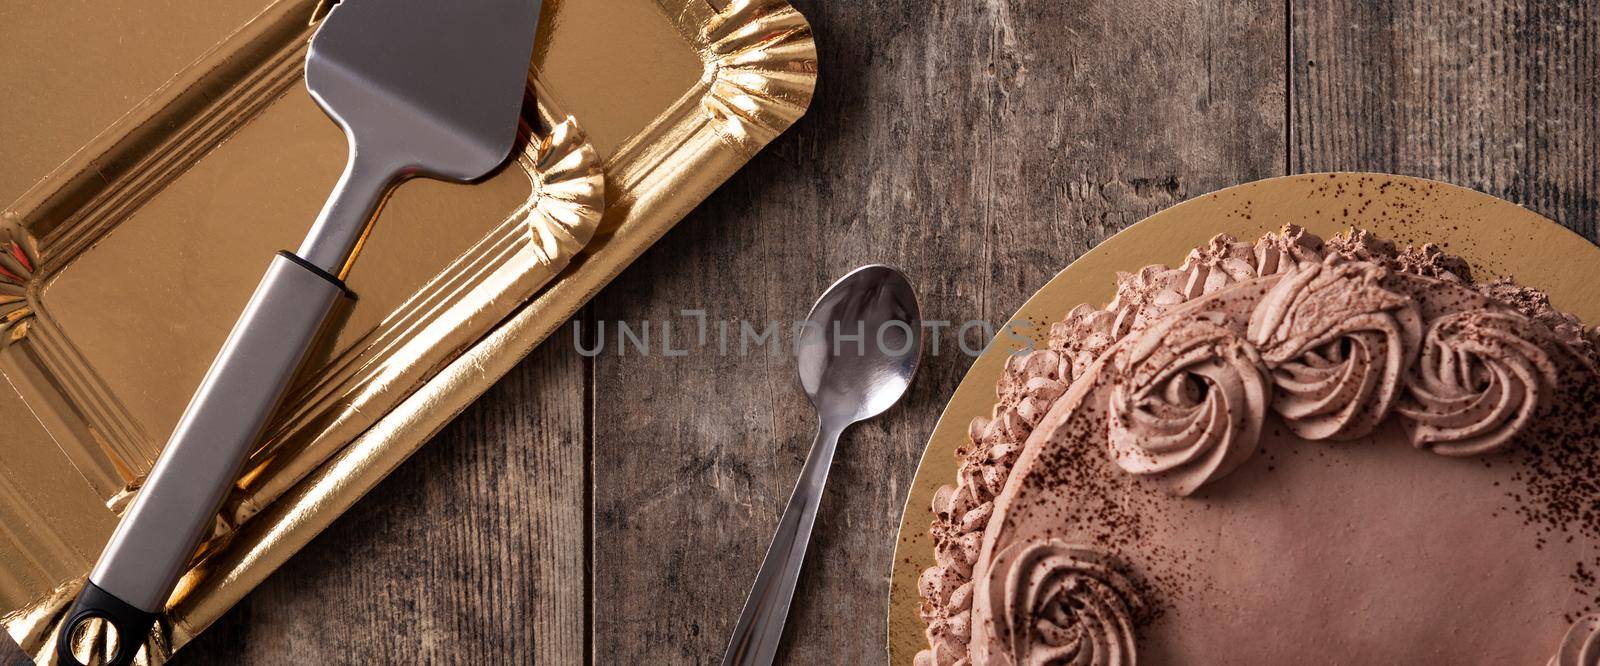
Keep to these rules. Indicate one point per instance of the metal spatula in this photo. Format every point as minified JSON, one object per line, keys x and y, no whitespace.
{"x":421,"y":87}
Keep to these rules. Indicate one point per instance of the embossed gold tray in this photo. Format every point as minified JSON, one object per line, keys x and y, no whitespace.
{"x":157,"y":152}
{"x":1497,"y":237}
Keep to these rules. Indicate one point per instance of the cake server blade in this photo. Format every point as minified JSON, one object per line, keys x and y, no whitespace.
{"x":420,"y":88}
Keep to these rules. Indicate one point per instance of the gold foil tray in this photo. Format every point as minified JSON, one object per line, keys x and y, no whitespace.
{"x":157,"y":152}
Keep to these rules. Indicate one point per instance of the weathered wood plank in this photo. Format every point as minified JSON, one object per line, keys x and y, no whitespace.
{"x":977,"y":146}
{"x":1496,"y":96}
{"x":471,"y":552}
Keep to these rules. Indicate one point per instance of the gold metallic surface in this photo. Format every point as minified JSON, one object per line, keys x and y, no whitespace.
{"x":1496,"y":237}
{"x":174,"y":149}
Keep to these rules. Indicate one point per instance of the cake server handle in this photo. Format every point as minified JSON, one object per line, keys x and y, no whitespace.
{"x":156,"y":539}
{"x":755,"y":639}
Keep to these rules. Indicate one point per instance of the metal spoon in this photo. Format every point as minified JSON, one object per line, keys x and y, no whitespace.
{"x":857,"y":354}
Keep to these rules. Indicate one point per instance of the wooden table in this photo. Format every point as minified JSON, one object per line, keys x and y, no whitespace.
{"x":614,"y":509}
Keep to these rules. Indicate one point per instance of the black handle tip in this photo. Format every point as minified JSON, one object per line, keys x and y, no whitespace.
{"x":132,"y":625}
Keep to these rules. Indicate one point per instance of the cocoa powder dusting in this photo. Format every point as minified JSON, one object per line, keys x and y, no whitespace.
{"x":1094,"y":502}
{"x":1556,"y":487}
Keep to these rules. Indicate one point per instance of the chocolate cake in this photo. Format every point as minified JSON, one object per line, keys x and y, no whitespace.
{"x":1283,"y":452}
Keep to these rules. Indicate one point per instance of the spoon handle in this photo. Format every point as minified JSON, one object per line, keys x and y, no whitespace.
{"x":755,"y":638}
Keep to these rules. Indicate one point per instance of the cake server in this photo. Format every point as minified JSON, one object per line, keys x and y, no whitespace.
{"x":420,"y":88}
{"x":857,"y":354}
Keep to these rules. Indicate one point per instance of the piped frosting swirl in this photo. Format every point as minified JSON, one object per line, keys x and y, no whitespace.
{"x":1581,"y":645}
{"x":1187,"y":402}
{"x":1052,"y":603}
{"x":1338,"y":343}
{"x":1481,"y":379}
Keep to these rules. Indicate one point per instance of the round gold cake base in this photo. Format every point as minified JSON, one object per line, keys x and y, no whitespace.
{"x":1497,"y":237}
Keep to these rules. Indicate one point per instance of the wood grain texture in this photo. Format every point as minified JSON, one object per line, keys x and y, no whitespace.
{"x":1494,"y":95}
{"x":979,"y":146}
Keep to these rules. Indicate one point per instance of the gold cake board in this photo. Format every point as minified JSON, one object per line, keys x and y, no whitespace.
{"x":1497,"y":237}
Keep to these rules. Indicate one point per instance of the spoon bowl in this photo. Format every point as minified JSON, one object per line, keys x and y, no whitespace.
{"x":860,"y":345}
